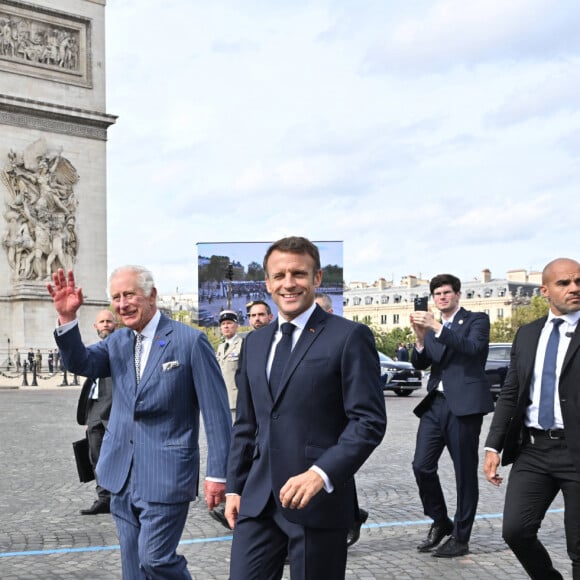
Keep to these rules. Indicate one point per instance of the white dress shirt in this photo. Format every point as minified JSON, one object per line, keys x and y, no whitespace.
{"x":566,"y":330}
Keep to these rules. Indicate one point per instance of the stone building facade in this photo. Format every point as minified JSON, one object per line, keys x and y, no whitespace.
{"x":53,"y":132}
{"x":389,"y":306}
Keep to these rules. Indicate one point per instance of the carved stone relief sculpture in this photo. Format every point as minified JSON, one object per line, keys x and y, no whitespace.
{"x":44,"y":43}
{"x":38,"y":42}
{"x":40,"y":212}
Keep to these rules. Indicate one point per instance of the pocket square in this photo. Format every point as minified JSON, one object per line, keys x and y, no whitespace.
{"x":172,"y":364}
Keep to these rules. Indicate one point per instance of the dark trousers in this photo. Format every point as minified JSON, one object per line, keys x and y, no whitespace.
{"x":95,"y":434}
{"x":260,"y":546}
{"x":440,"y":428}
{"x":542,"y":469}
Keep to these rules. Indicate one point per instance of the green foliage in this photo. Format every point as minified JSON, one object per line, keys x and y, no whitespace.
{"x":501,"y":331}
{"x":216,"y":269}
{"x":537,"y":308}
{"x":332,"y":276}
{"x":387,"y":342}
{"x":504,"y":330}
{"x":255,"y":272}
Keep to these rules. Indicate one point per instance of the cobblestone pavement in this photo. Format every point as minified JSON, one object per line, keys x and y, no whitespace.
{"x":42,"y":534}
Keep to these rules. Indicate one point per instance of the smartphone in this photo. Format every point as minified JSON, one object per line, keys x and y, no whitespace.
{"x":421,"y":303}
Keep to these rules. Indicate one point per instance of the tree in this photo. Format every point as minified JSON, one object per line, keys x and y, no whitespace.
{"x":255,"y":272}
{"x":332,"y":276}
{"x":387,"y":342}
{"x":504,"y":330}
{"x":501,"y":331}
{"x":537,"y":308}
{"x":217,"y":267}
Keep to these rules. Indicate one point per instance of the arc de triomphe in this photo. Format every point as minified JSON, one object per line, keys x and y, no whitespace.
{"x":53,"y":131}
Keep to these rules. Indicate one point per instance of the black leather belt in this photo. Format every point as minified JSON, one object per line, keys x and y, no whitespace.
{"x":548,"y":433}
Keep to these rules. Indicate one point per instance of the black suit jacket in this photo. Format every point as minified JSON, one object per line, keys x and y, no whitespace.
{"x":457,"y":357}
{"x":506,"y":430}
{"x":329,"y":411}
{"x":95,"y":410}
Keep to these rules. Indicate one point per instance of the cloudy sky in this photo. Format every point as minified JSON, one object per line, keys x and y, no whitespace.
{"x":429,"y":136}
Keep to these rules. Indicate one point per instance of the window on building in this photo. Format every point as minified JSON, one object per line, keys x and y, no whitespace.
{"x":395,"y":319}
{"x":384,"y":319}
{"x":501,"y":292}
{"x":397,"y":299}
{"x":470,"y":293}
{"x":356,"y":301}
{"x":500,"y":312}
{"x":355,"y":318}
{"x":368,"y":300}
{"x":384,"y":299}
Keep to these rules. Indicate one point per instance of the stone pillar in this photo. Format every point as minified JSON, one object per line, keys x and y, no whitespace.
{"x":53,"y":131}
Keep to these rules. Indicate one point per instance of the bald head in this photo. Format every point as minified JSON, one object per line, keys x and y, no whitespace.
{"x":561,"y":285}
{"x":105,"y":323}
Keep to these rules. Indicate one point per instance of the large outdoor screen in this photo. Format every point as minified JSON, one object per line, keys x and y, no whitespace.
{"x":242,"y":262}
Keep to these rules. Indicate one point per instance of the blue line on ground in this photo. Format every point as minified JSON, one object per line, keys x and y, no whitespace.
{"x":228,"y":538}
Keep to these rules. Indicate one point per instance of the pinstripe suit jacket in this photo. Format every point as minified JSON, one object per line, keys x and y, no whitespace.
{"x":154,"y":428}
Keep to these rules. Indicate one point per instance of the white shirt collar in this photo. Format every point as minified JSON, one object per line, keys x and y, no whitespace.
{"x":149,"y":331}
{"x":301,"y":320}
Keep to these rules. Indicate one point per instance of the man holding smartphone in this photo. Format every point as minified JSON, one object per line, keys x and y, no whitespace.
{"x":451,"y":414}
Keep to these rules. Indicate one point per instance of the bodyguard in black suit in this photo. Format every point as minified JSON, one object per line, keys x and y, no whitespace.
{"x":451,"y":414}
{"x":93,"y":410}
{"x":536,"y":425}
{"x":302,"y":428}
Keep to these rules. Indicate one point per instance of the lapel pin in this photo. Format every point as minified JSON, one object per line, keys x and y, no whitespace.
{"x":312,"y":330}
{"x":161,"y":343}
{"x":460,"y":322}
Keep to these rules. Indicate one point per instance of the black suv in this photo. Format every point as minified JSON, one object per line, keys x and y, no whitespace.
{"x":398,"y":376}
{"x":496,"y":366}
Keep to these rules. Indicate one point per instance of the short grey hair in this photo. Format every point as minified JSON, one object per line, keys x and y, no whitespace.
{"x":144,"y":277}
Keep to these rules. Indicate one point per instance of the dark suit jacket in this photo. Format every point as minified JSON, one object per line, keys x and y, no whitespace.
{"x":458,"y":358}
{"x":506,"y":430}
{"x":154,"y":427}
{"x":329,"y":411}
{"x":95,"y":410}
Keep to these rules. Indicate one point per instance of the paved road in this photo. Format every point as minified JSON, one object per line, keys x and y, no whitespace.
{"x":42,"y":534}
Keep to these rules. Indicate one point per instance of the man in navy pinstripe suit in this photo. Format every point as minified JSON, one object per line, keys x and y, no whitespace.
{"x":150,"y":454}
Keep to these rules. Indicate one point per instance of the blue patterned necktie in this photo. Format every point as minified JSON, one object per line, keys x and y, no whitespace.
{"x":138,"y":352}
{"x":548,"y":389}
{"x":281,"y":356}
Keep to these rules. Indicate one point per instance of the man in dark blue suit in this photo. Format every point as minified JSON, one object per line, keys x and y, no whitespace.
{"x":451,"y":414}
{"x":163,"y":373}
{"x":305,"y":423}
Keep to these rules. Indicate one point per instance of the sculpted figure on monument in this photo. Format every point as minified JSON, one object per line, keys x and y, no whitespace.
{"x":40,"y":236}
{"x":38,"y":42}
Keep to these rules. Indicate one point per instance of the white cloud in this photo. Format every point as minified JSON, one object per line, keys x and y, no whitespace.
{"x":250,"y":121}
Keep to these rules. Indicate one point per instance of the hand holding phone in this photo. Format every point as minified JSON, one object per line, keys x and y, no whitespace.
{"x":421,"y":303}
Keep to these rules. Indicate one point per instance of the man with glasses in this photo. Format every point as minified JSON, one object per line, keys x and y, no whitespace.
{"x":451,"y":414}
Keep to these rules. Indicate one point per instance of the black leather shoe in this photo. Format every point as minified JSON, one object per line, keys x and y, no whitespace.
{"x":354,"y":533}
{"x":218,"y":514}
{"x":99,"y":507}
{"x":436,"y":533}
{"x":451,"y":549}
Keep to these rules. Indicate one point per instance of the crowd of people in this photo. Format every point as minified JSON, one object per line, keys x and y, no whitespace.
{"x":34,"y":360}
{"x":294,"y":408}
